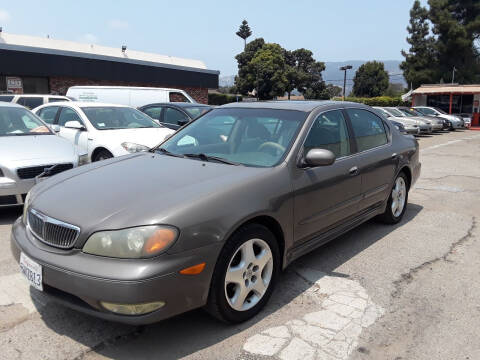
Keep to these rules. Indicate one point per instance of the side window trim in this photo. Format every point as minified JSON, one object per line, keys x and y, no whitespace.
{"x":389,"y":139}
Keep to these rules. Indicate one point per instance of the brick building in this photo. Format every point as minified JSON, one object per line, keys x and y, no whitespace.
{"x":49,"y":66}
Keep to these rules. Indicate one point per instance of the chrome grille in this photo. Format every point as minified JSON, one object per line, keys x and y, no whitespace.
{"x":51,"y":231}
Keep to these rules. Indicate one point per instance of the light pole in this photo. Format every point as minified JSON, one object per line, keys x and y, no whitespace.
{"x":453,"y":74}
{"x":345,"y":68}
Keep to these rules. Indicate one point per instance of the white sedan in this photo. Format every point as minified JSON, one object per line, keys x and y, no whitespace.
{"x":103,"y":130}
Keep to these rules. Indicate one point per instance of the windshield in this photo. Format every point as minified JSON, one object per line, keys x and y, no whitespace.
{"x":427,"y":111}
{"x":407,"y":112}
{"x":196,"y":111}
{"x":108,"y":118}
{"x":395,"y":112}
{"x":19,"y":121}
{"x":254,"y":137}
{"x":383,"y":111}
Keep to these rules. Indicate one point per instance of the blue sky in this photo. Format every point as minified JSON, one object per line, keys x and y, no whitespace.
{"x":205,"y":29}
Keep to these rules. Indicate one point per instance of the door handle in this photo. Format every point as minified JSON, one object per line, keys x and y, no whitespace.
{"x":353,"y":171}
{"x":394,"y":155}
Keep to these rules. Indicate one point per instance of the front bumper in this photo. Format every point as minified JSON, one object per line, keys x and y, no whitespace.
{"x":13,"y":192}
{"x":65,"y":282}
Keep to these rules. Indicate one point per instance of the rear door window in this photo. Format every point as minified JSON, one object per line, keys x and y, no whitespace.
{"x":6,"y":98}
{"x":368,"y":129}
{"x":56,"y":99}
{"x":30,"y":102}
{"x":48,"y":114}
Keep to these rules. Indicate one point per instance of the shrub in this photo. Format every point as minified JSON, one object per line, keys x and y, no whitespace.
{"x":377,"y":101}
{"x":220,"y":99}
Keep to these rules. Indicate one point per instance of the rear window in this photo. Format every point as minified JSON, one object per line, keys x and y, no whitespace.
{"x":30,"y":102}
{"x":56,"y":99}
{"x":6,"y":98}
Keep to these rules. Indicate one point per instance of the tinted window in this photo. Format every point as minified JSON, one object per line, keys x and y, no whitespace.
{"x":48,"y":114}
{"x":368,"y":129}
{"x":153,"y":112}
{"x":30,"y":102}
{"x":108,"y":118}
{"x":67,"y":114}
{"x":20,"y":122}
{"x":55,"y":99}
{"x":173,"y":116}
{"x":6,"y":98}
{"x":329,"y":131}
{"x":256,"y":137}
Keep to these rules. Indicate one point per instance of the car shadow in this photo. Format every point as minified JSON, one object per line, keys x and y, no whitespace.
{"x":9,"y":214}
{"x":194,"y":331}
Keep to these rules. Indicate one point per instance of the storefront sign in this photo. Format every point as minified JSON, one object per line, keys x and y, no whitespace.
{"x":14,"y":85}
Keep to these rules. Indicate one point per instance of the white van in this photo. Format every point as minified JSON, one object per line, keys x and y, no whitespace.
{"x":125,"y":95}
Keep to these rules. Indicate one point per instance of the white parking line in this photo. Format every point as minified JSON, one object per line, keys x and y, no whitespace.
{"x":330,"y":333}
{"x":450,"y":142}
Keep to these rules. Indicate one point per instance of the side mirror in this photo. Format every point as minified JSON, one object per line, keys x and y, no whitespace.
{"x":74,"y":124}
{"x":319,"y":157}
{"x":55,"y":128}
{"x":182,"y":122}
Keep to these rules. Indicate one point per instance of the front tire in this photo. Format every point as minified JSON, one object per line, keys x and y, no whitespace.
{"x":397,"y":201}
{"x":245,"y":274}
{"x":102,"y":155}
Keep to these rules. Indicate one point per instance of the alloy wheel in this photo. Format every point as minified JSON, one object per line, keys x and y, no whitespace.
{"x":399,"y":195}
{"x":249,"y":273}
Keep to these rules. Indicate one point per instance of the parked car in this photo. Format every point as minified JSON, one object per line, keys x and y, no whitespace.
{"x":437,"y":123}
{"x":28,"y":149}
{"x":32,"y":101}
{"x":103,"y":130}
{"x":126,"y":95}
{"x":210,"y":220}
{"x":174,"y":115}
{"x":467,"y":119}
{"x":456,"y":122}
{"x":412,"y":127}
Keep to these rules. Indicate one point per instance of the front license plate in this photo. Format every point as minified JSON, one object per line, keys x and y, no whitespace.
{"x":32,"y":271}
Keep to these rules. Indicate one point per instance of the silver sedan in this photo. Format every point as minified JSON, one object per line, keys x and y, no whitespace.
{"x":29,"y":152}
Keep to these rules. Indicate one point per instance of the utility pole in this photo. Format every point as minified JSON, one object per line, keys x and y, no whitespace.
{"x":453,"y":74}
{"x":345,"y":68}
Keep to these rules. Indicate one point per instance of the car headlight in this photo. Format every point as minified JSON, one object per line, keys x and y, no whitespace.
{"x":134,"y":148}
{"x":26,"y":203}
{"x":133,"y":243}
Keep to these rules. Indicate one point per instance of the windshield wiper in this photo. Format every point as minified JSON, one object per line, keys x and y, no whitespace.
{"x":166,"y":152}
{"x":206,"y":157}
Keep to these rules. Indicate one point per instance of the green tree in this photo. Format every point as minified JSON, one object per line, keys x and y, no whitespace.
{"x":244,"y":32}
{"x":370,"y":80}
{"x":419,"y":64}
{"x":456,"y":24}
{"x":245,"y":80}
{"x":269,"y":71}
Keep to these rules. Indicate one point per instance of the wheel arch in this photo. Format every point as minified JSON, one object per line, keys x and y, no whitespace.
{"x":97,"y":150}
{"x":408,"y":173}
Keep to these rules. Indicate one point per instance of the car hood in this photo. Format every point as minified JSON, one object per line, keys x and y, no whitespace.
{"x":132,"y":190}
{"x":147,"y":136}
{"x":35,"y":148}
{"x":405,"y":120}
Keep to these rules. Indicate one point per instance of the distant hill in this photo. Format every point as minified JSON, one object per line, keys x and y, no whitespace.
{"x":332,"y":74}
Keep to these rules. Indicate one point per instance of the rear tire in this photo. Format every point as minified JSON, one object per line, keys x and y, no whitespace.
{"x":397,"y":201}
{"x":102,"y":155}
{"x":245,"y":274}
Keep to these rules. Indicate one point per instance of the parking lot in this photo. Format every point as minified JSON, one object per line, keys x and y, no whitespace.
{"x":379,"y":292}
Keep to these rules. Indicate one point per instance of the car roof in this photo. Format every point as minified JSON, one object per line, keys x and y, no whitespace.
{"x":178,"y":104}
{"x":299,"y":105}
